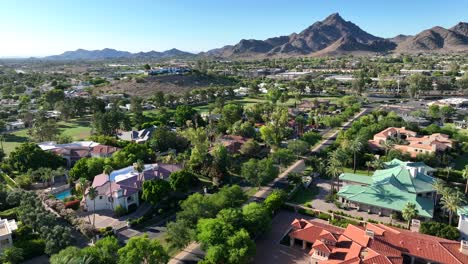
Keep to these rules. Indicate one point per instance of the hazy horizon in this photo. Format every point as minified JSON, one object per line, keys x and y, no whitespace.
{"x":51,"y":27}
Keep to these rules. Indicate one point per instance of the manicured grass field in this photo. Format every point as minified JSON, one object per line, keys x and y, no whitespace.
{"x":304,"y":195}
{"x":78,"y":129}
{"x":363,"y":172}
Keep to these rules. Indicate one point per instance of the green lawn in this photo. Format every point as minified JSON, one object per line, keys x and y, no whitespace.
{"x":358,"y":171}
{"x":304,"y":196}
{"x":78,"y":129}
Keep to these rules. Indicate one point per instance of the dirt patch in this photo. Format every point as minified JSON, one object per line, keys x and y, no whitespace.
{"x":177,"y":84}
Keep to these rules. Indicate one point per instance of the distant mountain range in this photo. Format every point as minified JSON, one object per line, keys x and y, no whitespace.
{"x":335,"y":36}
{"x":331,"y":37}
{"x":81,"y":54}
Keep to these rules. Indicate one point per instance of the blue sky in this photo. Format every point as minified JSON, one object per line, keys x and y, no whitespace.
{"x":45,"y":27}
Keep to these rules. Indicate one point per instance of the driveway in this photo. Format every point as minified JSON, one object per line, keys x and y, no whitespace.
{"x":269,"y":249}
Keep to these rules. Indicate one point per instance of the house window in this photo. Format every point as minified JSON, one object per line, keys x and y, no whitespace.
{"x":100,"y":197}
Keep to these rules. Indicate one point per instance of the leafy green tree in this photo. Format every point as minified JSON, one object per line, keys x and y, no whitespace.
{"x":418,"y":82}
{"x":107,"y":123}
{"x":56,"y":238}
{"x":213,"y":231}
{"x":220,"y":157}
{"x":409,"y":212}
{"x":71,"y":255}
{"x":283,"y":157}
{"x":87,"y":168}
{"x":434,"y":111}
{"x":311,"y":137}
{"x":159,"y":99}
{"x":30,"y":156}
{"x":136,"y":109}
{"x":182,"y":180}
{"x":298,"y":147}
{"x":11,"y":255}
{"x":230,"y":114}
{"x":104,"y":250}
{"x":233,"y":216}
{"x":179,"y":233}
{"x":164,"y":139}
{"x":256,"y":218}
{"x":155,"y":191}
{"x":44,"y":129}
{"x":184,"y":113}
{"x":250,"y":149}
{"x":142,"y":250}
{"x":275,"y":200}
{"x":275,"y":130}
{"x":446,"y":112}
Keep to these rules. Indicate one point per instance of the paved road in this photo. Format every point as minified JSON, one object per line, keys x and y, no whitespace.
{"x":328,"y":141}
{"x":193,"y":253}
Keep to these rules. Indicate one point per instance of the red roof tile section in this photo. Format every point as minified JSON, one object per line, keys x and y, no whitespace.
{"x":380,"y":244}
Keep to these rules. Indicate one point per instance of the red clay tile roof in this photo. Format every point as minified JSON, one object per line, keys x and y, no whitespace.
{"x":104,"y":149}
{"x":319,"y":245}
{"x":386,"y":247}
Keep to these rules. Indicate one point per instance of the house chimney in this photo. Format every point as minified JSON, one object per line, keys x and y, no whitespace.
{"x":370,"y":233}
{"x":413,"y":171}
{"x":464,"y":247}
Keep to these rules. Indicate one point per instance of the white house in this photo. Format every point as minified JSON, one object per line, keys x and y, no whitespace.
{"x":6,"y":228}
{"x":122,"y":186}
{"x":463,"y":222}
{"x":18,"y":124}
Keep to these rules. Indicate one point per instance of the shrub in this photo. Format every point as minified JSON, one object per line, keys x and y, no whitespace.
{"x":31,"y":247}
{"x":9,"y":214}
{"x":440,"y":230}
{"x":324,"y":216}
{"x":120,"y":211}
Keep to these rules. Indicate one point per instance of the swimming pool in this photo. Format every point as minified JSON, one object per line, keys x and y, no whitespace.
{"x":63,"y":195}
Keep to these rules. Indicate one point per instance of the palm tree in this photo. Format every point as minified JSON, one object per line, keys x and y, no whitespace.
{"x":335,"y":168}
{"x":448,"y":169}
{"x":440,"y":187}
{"x":81,"y":186}
{"x":387,"y":145}
{"x":377,"y":164}
{"x":46,"y":175}
{"x":139,"y":166}
{"x":409,"y":212}
{"x":451,"y":202}
{"x":355,"y":146}
{"x":92,"y":194}
{"x":465,"y":176}
{"x":107,"y":171}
